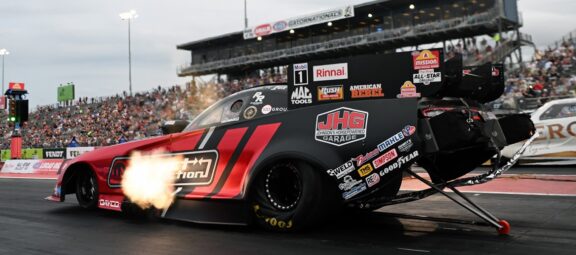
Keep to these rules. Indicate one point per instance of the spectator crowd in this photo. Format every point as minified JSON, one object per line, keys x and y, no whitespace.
{"x":106,"y":121}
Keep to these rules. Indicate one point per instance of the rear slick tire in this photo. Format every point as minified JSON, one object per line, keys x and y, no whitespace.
{"x":87,"y":189}
{"x":289,"y":196}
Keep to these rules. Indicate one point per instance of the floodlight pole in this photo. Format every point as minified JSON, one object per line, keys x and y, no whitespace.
{"x":129,"y":59}
{"x":245,"y":14}
{"x":3,"y":52}
{"x":129,"y":16}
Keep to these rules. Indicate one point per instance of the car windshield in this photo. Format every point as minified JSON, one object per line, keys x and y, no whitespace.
{"x":230,"y":109}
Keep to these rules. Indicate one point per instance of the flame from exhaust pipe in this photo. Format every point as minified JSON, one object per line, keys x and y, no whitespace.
{"x":148,"y":181}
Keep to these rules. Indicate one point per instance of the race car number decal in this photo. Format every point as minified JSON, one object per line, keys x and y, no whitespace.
{"x":197,"y":168}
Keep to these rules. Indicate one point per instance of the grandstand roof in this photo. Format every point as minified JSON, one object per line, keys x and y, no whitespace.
{"x":391,"y":24}
{"x":234,"y":36}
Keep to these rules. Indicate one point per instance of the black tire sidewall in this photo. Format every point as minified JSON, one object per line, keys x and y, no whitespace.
{"x":93,"y":204}
{"x":309,"y":206}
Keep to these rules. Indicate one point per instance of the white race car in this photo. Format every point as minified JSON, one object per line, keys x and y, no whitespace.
{"x":555,"y":123}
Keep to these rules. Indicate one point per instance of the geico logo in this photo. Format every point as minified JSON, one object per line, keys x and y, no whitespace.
{"x":108,"y":203}
{"x":556,"y":131}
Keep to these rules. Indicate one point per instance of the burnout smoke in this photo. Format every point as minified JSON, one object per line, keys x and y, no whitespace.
{"x":149,"y":179}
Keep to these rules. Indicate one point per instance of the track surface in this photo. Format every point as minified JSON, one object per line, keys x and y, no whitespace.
{"x":30,"y":225}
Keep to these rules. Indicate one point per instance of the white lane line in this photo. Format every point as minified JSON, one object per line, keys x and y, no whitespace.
{"x":415,"y":250}
{"x":173,"y":194}
{"x":206,"y":138}
{"x":31,"y":178}
{"x":509,"y":193}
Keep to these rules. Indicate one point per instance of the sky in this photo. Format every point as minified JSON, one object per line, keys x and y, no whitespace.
{"x":85,"y":42}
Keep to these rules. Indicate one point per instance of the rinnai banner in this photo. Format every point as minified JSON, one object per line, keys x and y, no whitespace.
{"x":47,"y":167}
{"x":298,"y":22}
{"x":72,"y":152}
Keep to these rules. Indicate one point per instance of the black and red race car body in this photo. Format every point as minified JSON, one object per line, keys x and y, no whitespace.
{"x":354,"y":121}
{"x":239,"y":149}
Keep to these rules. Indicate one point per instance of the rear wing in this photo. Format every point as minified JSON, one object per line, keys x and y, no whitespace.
{"x":391,"y":76}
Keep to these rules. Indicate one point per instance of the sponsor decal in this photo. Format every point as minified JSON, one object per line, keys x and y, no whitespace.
{"x":266,"y":109}
{"x":365,"y":170}
{"x":407,"y":90}
{"x":279,"y":88}
{"x":373,"y":179}
{"x":300,"y":74}
{"x":54,"y":153}
{"x":301,"y":95}
{"x":330,"y":93}
{"x":426,"y":59}
{"x":385,"y":158}
{"x":108,"y":204}
{"x":354,"y":191}
{"x":280,"y":26}
{"x":250,"y":112}
{"x":32,"y":166}
{"x":399,"y":163}
{"x":366,"y":90}
{"x":427,"y":76}
{"x":342,"y":170}
{"x":364,"y":158}
{"x":196,"y":169}
{"x":408,"y":130}
{"x":405,"y":146}
{"x":72,"y":152}
{"x":330,"y":72}
{"x":258,"y":97}
{"x":341,"y":126}
{"x":298,"y":22}
{"x":262,"y":30}
{"x":272,"y":221}
{"x":348,"y":183}
{"x":390,"y":141}
{"x":279,"y":109}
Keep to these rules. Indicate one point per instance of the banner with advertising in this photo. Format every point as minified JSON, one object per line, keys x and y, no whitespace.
{"x":72,"y":152}
{"x":31,"y":168}
{"x":298,"y":22}
{"x":57,"y":153}
{"x":32,"y":153}
{"x":5,"y":155}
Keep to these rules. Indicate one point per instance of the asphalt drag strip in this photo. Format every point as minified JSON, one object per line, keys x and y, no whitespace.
{"x":30,"y":225}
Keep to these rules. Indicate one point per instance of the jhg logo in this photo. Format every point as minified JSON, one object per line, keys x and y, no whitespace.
{"x":341,"y":126}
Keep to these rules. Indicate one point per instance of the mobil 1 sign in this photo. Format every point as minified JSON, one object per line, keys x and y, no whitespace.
{"x":365,"y":77}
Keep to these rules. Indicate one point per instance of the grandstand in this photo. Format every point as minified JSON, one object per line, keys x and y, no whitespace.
{"x":372,"y":27}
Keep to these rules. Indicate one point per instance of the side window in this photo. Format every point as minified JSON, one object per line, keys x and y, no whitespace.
{"x":559,"y":111}
{"x":232,"y":110}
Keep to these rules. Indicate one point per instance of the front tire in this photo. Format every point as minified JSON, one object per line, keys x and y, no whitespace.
{"x":290,"y":195}
{"x":87,"y":189}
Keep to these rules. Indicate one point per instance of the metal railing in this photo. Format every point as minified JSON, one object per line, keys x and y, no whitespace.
{"x":357,"y":40}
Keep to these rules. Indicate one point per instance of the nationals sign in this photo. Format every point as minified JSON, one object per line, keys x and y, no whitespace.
{"x":341,"y":126}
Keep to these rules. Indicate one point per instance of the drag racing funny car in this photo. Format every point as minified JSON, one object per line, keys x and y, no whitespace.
{"x":341,"y":133}
{"x":555,"y":121}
